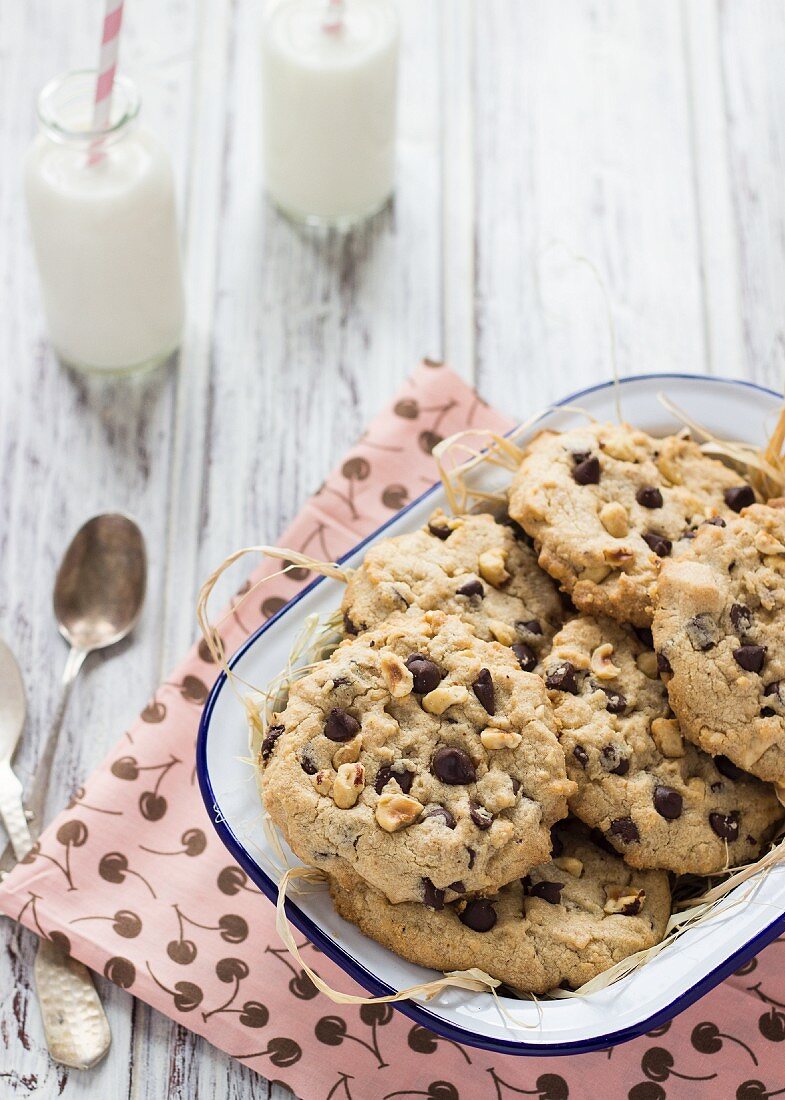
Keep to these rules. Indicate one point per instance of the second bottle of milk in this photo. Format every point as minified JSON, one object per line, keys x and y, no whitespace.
{"x":102,"y":216}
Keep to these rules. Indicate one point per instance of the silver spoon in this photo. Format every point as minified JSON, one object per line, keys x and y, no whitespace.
{"x":98,"y":597}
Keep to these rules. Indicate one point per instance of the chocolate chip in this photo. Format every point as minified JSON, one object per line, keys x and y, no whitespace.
{"x":580,"y":754}
{"x":616,"y":703}
{"x":439,"y":531}
{"x":562,"y":678}
{"x":668,"y":803}
{"x":644,"y":636}
{"x":340,"y":725}
{"x":471,"y":588}
{"x":426,"y":675}
{"x":479,"y":915}
{"x":516,"y":784}
{"x":587,"y":472}
{"x":348,"y":625}
{"x":614,"y":761}
{"x":658,"y":544}
{"x":777,"y":689}
{"x":548,"y":891}
{"x":527,"y":658}
{"x":453,"y":766}
{"x":308,"y":766}
{"x":431,"y":897}
{"x":663,"y":664}
{"x":750,"y":657}
{"x":730,"y":770}
{"x":273,"y":733}
{"x":579,"y":456}
{"x":625,"y":829}
{"x":741,"y":617}
{"x":481,"y":817}
{"x":387,"y":772}
{"x":472,"y":855}
{"x":767,"y":712}
{"x":483,"y":689}
{"x":442,"y":813}
{"x":702,"y":632}
{"x":457,"y":887}
{"x":726,"y":826}
{"x":632,"y":908}
{"x":714,"y":521}
{"x":648,"y":496}
{"x":532,"y":626}
{"x":740,"y":496}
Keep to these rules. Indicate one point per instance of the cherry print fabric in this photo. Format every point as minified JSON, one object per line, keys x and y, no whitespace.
{"x":132,"y":878}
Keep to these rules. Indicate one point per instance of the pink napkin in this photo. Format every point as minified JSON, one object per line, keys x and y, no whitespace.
{"x":134,"y":879}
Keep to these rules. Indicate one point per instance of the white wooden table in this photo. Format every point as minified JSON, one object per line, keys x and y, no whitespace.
{"x":647,"y":136}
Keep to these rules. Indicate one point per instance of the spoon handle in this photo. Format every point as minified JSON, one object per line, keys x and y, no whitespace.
{"x":12,"y":811}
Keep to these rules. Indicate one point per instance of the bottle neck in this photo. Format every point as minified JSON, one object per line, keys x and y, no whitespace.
{"x":65,"y":111}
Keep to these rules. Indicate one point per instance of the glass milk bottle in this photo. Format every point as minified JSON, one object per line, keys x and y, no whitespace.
{"x":102,"y":214}
{"x":329,"y":76}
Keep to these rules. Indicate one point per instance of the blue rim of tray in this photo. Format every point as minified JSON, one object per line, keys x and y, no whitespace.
{"x":421,"y":1014}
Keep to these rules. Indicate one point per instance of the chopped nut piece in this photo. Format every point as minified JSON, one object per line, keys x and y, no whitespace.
{"x":348,"y":784}
{"x":613,"y":517}
{"x":578,"y":658}
{"x":348,"y":753}
{"x":500,"y":739}
{"x":595,"y":573}
{"x":444,"y":696}
{"x":323,"y":781}
{"x":618,"y":556}
{"x":502,"y":632}
{"x":647,"y":664}
{"x":765,"y":543}
{"x":396,"y":811}
{"x":569,"y":864}
{"x":620,"y":446}
{"x":697,"y":786}
{"x":397,"y":676}
{"x":668,"y":467}
{"x":624,"y":899}
{"x":601,"y":664}
{"x":492,"y":566}
{"x":667,"y":736}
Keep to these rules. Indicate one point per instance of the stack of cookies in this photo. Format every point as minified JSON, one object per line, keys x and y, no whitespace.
{"x":495,"y":772}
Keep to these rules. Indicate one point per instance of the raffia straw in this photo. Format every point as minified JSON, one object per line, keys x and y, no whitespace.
{"x":764,"y":467}
{"x":210,"y":631}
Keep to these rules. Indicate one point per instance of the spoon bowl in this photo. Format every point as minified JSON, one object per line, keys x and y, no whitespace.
{"x":100,"y":585}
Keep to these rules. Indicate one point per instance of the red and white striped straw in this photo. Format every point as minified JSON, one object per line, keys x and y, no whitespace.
{"x":107,"y":67}
{"x":334,"y":15}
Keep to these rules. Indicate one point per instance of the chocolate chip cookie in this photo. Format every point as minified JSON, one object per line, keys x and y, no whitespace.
{"x":466,"y":565}
{"x":421,"y":757}
{"x":720,"y":630}
{"x":606,"y":504}
{"x":567,"y":921}
{"x":657,"y":799}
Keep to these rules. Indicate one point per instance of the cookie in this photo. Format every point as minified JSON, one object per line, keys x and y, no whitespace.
{"x":468,"y":565}
{"x":720,"y":629}
{"x":569,"y":920}
{"x":420,"y":757}
{"x":606,"y":504}
{"x":657,"y":799}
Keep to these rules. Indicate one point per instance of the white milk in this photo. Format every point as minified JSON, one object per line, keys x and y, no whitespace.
{"x":105,"y":233}
{"x":329,"y":109}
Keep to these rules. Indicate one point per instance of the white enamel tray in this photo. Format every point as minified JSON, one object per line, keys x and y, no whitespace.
{"x":638,"y":1003}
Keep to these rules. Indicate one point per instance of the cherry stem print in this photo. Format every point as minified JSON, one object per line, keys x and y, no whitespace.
{"x":423,"y":1041}
{"x":707,"y":1038}
{"x":764,"y":996}
{"x":192,"y":689}
{"x":78,"y":800}
{"x":657,"y":1064}
{"x":186,"y":995}
{"x":342,"y":1082}
{"x":437,"y":1090}
{"x":233,"y":971}
{"x":548,"y":1086}
{"x":300,"y":985}
{"x":193,"y":843}
{"x":30,"y":904}
{"x":125,"y":922}
{"x":233,"y":928}
{"x":70,"y":834}
{"x":317,"y":532}
{"x":332,"y":1030}
{"x":281,"y":1052}
{"x":114,"y":867}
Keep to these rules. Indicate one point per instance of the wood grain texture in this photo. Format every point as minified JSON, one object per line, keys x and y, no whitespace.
{"x":645,"y":136}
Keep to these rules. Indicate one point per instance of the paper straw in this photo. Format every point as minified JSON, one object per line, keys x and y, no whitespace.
{"x":107,"y":67}
{"x":333,"y":18}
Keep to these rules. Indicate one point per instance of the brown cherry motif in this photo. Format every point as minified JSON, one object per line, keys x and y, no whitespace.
{"x":233,"y":971}
{"x":658,"y":1065}
{"x":332,"y":1030}
{"x":272,"y":605}
{"x":71,"y":834}
{"x":300,"y":985}
{"x":78,"y":799}
{"x":231,"y":927}
{"x":437,"y":1090}
{"x":154,"y":712}
{"x":114,"y":868}
{"x":707,"y":1038}
{"x":548,"y":1086}
{"x":232,"y":879}
{"x":423,"y":1041}
{"x":354,"y":471}
{"x":124,"y":922}
{"x":185,"y":995}
{"x":281,"y":1052}
{"x":203,"y":648}
{"x":120,"y":971}
{"x":193,"y":843}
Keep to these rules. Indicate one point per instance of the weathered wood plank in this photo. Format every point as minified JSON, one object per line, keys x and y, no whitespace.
{"x":583,"y":147}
